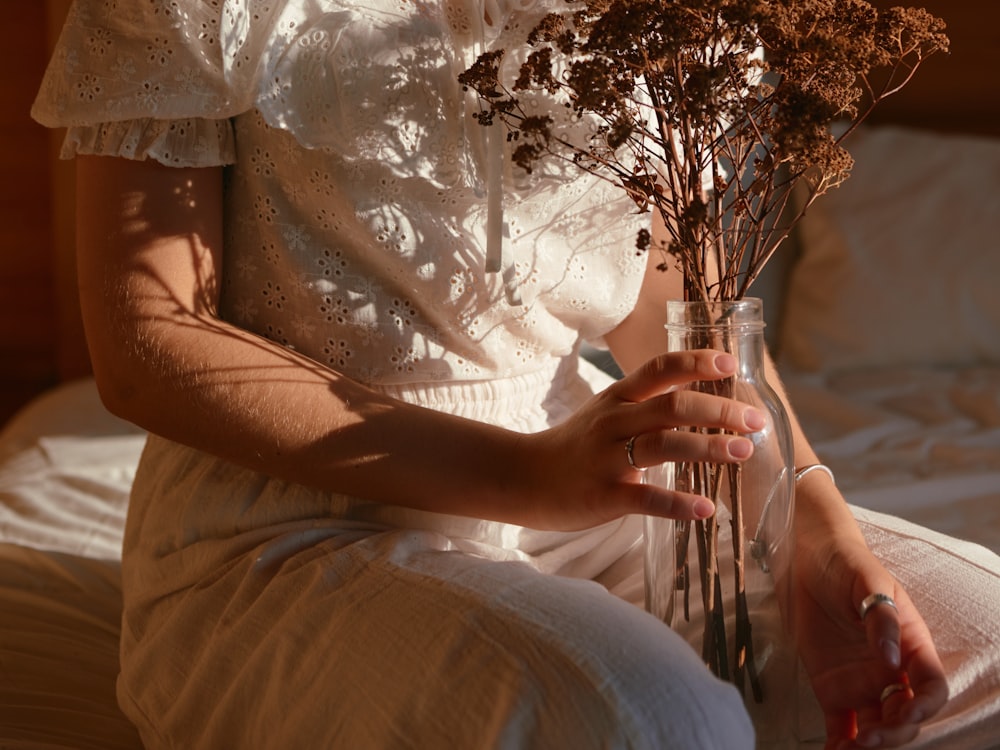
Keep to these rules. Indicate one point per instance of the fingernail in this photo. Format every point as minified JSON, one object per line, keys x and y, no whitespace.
{"x":754,"y":419}
{"x":890,"y":650}
{"x":725,"y":363}
{"x":703,"y":507}
{"x":740,"y":448}
{"x":914,"y":716}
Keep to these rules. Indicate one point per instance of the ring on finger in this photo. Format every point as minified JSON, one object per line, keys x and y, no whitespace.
{"x":890,"y":690}
{"x":630,"y":454}
{"x":873,"y":600}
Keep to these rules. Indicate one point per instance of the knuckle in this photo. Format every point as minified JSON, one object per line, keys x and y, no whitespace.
{"x":732,"y":414}
{"x":655,"y":367}
{"x":642,"y":500}
{"x":604,"y":425}
{"x":692,"y":361}
{"x":681,"y":361}
{"x":676,"y":443}
{"x":649,"y":501}
{"x":718,"y":448}
{"x":676,"y":403}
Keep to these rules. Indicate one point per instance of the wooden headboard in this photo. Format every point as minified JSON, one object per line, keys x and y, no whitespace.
{"x":41,"y":337}
{"x":29,"y":304}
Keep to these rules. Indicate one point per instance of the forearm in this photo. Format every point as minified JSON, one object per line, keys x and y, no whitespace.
{"x":819,"y":506}
{"x":150,"y":248}
{"x":262,"y":406}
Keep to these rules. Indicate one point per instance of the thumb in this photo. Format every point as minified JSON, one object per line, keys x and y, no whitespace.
{"x":880,"y":619}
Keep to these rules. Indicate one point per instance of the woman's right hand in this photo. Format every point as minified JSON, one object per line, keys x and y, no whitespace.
{"x":578,"y":473}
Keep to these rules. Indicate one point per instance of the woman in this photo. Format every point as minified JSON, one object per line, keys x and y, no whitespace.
{"x":382,"y":502}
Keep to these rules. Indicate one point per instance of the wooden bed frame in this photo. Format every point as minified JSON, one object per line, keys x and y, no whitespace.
{"x":41,"y":336}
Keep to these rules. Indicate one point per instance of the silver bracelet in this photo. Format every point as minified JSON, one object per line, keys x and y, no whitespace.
{"x":799,"y":473}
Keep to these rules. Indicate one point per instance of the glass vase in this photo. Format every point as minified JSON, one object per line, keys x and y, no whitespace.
{"x":720,"y":582}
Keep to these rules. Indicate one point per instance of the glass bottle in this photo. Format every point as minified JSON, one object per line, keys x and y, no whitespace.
{"x":722,"y":583}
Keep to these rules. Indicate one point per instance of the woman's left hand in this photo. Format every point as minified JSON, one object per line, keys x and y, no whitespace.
{"x":876,"y":678}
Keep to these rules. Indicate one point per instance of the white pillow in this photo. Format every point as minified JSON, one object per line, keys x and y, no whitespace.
{"x":901,"y":263}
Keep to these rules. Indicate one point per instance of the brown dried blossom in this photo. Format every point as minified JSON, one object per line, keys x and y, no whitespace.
{"x":709,"y":111}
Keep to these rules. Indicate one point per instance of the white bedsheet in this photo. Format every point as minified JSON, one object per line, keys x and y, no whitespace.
{"x":66,"y":467}
{"x":920,"y":443}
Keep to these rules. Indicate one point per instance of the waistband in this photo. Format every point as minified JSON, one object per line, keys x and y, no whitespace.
{"x":525,"y":401}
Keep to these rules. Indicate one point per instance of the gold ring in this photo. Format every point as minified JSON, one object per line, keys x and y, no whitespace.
{"x":873,"y":600}
{"x":630,"y":455}
{"x":890,"y":690}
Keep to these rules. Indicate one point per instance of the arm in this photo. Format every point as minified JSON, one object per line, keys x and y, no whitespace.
{"x":150,"y":243}
{"x":149,"y":255}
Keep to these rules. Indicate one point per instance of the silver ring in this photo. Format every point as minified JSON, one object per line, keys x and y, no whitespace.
{"x":630,"y":455}
{"x":873,"y":600}
{"x":890,"y":690}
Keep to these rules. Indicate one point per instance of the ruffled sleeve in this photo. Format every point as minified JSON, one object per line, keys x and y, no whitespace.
{"x":177,"y":143}
{"x":157,"y":78}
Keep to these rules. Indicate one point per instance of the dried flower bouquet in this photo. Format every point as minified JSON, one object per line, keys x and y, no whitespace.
{"x":740,"y":94}
{"x":710,"y":113}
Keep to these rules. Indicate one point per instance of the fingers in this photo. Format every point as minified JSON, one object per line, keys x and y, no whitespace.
{"x":654,"y":407}
{"x":880,"y":724}
{"x":841,"y":727}
{"x":650,"y":500}
{"x":883,"y":724}
{"x":667,"y":371}
{"x":881,"y":622}
{"x":916,"y":689}
{"x":927,"y":688}
{"x":879,"y":731}
{"x":653,"y":448}
{"x":928,"y":685}
{"x":652,"y":424}
{"x":638,"y":420}
{"x":691,"y":408}
{"x":902,"y":706}
{"x":886,"y":724}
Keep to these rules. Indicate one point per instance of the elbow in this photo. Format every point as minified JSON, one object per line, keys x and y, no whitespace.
{"x":126,"y":375}
{"x":120,"y":394}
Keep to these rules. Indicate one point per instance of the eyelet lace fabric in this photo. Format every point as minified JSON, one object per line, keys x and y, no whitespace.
{"x":358,"y":187}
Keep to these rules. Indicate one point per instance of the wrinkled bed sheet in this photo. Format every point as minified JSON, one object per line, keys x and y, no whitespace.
{"x":66,"y":469}
{"x":920,"y":443}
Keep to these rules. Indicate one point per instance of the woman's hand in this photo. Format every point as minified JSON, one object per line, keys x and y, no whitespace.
{"x":579,"y":473}
{"x":876,"y":679}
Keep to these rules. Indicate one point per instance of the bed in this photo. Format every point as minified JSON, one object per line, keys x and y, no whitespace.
{"x":884,"y":318}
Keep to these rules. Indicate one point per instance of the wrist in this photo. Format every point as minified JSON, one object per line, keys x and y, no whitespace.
{"x":803,"y":472}
{"x":820,"y":508}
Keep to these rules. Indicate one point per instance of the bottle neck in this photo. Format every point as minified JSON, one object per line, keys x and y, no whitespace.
{"x":736,"y":327}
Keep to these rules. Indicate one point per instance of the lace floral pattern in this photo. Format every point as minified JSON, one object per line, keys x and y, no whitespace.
{"x":357,"y":194}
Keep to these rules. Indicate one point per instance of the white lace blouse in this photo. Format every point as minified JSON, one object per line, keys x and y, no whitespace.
{"x":357,"y":192}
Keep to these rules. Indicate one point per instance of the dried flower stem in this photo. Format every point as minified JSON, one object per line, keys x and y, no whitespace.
{"x":710,"y":113}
